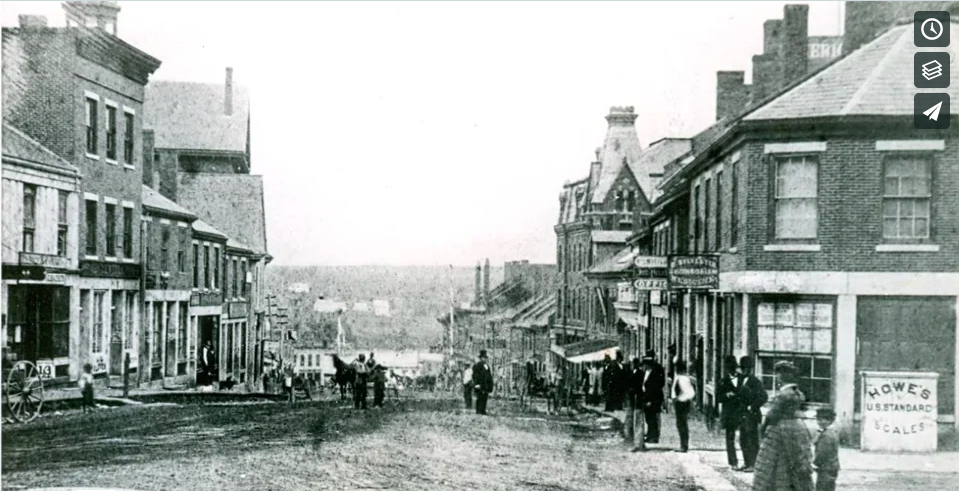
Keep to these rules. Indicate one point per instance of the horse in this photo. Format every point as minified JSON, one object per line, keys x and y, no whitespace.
{"x":345,"y":376}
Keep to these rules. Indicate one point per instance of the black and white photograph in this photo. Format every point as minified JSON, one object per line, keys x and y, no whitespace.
{"x":479,"y":245}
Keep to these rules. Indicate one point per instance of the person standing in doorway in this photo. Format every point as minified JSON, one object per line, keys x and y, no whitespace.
{"x":468,"y":387}
{"x":208,"y":368}
{"x":654,"y":379}
{"x":753,"y":396}
{"x":732,"y":413}
{"x":482,"y":382}
{"x":360,"y":384}
{"x":682,"y":394}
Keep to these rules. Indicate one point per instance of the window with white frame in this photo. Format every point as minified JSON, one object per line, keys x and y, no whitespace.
{"x":29,"y":216}
{"x":128,"y":134}
{"x":63,"y":225}
{"x":111,"y":229}
{"x":906,"y":198}
{"x":111,"y":132}
{"x":800,"y":332}
{"x":797,"y":197}
{"x":91,"y":126}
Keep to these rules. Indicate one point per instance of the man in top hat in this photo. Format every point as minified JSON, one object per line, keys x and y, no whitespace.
{"x":752,"y":397}
{"x":654,"y":380}
{"x":482,"y":382}
{"x":727,"y":395}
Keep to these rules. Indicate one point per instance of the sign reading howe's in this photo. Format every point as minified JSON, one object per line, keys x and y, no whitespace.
{"x":693,"y":272}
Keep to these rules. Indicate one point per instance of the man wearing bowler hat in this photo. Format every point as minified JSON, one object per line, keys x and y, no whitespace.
{"x":482,"y":382}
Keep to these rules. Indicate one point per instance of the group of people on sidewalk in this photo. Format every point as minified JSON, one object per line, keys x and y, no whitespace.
{"x":367,"y":370}
{"x":780,"y":449}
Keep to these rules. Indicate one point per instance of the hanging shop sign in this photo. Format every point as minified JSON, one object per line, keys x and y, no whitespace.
{"x":651,"y":262}
{"x":694,"y":272}
{"x":648,"y":284}
{"x":899,"y":411}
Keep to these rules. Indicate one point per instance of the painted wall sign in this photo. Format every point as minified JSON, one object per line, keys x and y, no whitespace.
{"x":899,"y":411}
{"x":45,"y":260}
{"x":651,"y":262}
{"x":694,"y":272}
{"x":100,"y":269}
{"x":237,"y":309}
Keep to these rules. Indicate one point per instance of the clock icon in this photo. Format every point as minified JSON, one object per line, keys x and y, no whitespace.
{"x":932,"y":29}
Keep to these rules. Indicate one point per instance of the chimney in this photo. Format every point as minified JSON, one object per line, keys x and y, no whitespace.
{"x":27,"y":21}
{"x":767,"y":77}
{"x":228,"y":93}
{"x":795,"y":45}
{"x":486,"y":282}
{"x":478,"y":293}
{"x":621,"y":116}
{"x":772,"y":36}
{"x":732,"y":94}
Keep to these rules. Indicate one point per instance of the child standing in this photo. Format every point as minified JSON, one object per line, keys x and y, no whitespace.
{"x":826,"y":461}
{"x":683,"y":393}
{"x":86,"y":387}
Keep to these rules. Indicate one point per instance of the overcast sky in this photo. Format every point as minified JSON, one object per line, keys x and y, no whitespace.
{"x":442,"y":132}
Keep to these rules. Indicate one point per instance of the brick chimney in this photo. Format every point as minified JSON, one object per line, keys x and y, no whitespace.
{"x":28,"y":21}
{"x":772,"y":36}
{"x":795,"y":42}
{"x":595,"y":168}
{"x":228,"y":92}
{"x":767,"y":76}
{"x":732,"y":93}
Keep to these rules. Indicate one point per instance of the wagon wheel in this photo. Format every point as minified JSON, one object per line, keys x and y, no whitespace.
{"x":24,"y":392}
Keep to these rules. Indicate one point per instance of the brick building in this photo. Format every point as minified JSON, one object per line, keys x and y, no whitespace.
{"x":201,"y":160}
{"x":79,"y":92}
{"x":40,"y":257}
{"x":835,"y":225}
{"x":168,"y":344}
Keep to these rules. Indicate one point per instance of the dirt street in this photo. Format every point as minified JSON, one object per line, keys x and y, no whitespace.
{"x":427,"y":444}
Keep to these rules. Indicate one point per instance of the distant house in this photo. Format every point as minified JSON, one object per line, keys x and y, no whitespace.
{"x":299,"y":288}
{"x":381,"y":308}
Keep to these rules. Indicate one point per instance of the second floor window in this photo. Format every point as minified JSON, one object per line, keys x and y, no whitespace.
{"x":206,"y":266}
{"x":796,"y":197}
{"x":243,"y":279}
{"x":236,"y":271}
{"x":29,"y":216}
{"x":91,"y":126}
{"x":128,"y":233}
{"x":91,"y":215}
{"x":196,"y":266}
{"x":906,"y":198}
{"x":165,"y":249}
{"x":719,"y":210}
{"x":111,"y":229}
{"x":111,"y":133}
{"x":733,"y":206}
{"x":216,"y":268}
{"x":63,"y":226}
{"x":706,"y":197}
{"x":128,"y":138}
{"x":697,"y":220}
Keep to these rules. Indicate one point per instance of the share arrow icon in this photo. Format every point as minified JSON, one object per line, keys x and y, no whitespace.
{"x":933,"y":112}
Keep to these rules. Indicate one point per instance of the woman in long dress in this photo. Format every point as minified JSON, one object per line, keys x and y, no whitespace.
{"x":785,"y":455}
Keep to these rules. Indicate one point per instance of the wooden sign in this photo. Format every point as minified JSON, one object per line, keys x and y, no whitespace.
{"x":899,"y":411}
{"x":647,"y":284}
{"x":694,"y":272}
{"x":651,"y":262}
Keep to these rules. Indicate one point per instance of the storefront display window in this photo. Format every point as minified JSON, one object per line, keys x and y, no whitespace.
{"x":800,"y":332}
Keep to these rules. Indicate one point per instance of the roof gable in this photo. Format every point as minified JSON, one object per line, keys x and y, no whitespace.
{"x":875,"y":80}
{"x":650,"y":168}
{"x":154,"y":201}
{"x":620,"y":150}
{"x":231,"y":202}
{"x":191,"y":116}
{"x":18,"y":145}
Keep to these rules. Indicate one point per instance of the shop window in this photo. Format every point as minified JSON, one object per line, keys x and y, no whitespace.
{"x":38,"y":322}
{"x":157,"y":338}
{"x":63,"y":226}
{"x":796,"y":197}
{"x":128,"y":320}
{"x":29,"y":216}
{"x":96,"y":344}
{"x":242,"y":353}
{"x":181,"y":346}
{"x":800,"y":332}
{"x":907,"y":194}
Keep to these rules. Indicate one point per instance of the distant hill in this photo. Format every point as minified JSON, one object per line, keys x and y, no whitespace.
{"x":417,"y":296}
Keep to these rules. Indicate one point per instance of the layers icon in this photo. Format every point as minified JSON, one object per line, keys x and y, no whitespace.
{"x":932,"y":70}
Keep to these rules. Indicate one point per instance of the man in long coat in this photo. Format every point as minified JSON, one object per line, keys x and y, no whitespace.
{"x":732,"y":411}
{"x":784,"y":462}
{"x":482,"y":382}
{"x":753,"y":396}
{"x":654,"y":380}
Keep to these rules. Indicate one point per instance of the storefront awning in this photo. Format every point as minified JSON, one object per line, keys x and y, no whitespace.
{"x":594,"y":356}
